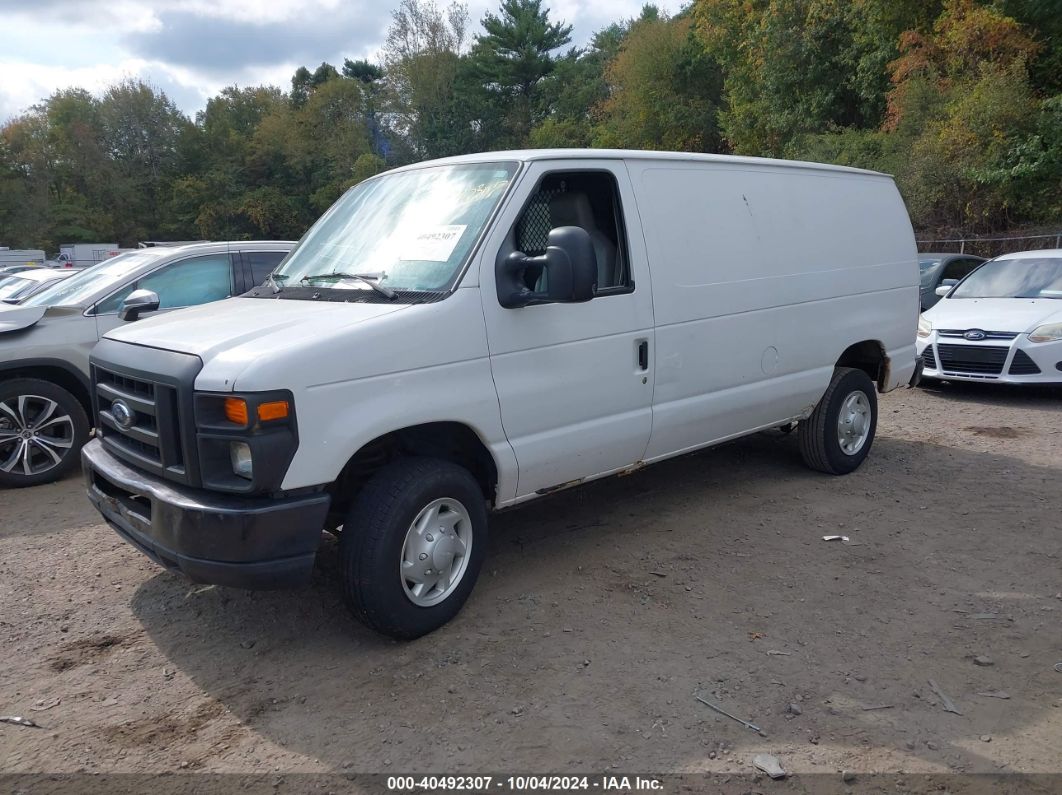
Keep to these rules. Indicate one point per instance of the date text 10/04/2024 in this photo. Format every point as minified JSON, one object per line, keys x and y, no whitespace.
{"x":523,"y":783}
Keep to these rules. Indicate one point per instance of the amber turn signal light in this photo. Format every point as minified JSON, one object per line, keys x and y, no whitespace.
{"x":236,"y":410}
{"x":274,"y":410}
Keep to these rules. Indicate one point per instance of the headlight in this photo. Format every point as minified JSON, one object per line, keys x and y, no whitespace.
{"x":240,"y":456}
{"x":1051,"y":332}
{"x":925,"y":328}
{"x":246,"y":440}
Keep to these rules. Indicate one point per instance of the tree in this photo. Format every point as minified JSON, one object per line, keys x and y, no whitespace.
{"x":511,"y":59}
{"x":794,"y":67}
{"x":364,"y":71}
{"x":665,"y":90}
{"x":575,"y":88}
{"x":422,"y":54}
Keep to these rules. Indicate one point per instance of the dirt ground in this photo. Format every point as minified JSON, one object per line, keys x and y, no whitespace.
{"x":600,"y":614}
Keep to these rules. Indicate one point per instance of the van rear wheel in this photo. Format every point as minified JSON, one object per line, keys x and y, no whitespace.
{"x":412,"y":546}
{"x":837,"y":436}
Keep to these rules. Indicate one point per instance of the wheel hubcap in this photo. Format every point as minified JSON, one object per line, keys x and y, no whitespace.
{"x":435,"y":552}
{"x":853,"y":423}
{"x":34,"y":435}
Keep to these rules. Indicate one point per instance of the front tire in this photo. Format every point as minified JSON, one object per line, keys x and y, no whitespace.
{"x":42,"y":430}
{"x":837,"y":436}
{"x":412,"y":546}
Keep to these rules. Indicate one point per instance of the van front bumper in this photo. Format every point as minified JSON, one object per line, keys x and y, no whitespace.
{"x":243,"y":542}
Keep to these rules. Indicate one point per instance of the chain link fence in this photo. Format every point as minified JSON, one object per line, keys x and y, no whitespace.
{"x":990,"y":246}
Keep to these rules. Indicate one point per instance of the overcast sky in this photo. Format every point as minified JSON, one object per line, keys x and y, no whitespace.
{"x":192,"y":48}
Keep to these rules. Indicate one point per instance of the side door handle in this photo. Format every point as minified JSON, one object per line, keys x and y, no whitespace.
{"x":643,"y":355}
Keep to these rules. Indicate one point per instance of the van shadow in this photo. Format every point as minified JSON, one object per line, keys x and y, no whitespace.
{"x":602,"y":610}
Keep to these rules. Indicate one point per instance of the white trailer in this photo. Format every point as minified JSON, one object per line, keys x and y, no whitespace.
{"x":82,"y":255}
{"x":21,"y":256}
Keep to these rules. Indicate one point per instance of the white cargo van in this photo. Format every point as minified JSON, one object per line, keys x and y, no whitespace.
{"x":468,"y":334}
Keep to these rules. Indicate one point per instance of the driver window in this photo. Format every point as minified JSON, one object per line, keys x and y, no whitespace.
{"x":190,"y":282}
{"x":959,"y":269}
{"x":586,"y":199}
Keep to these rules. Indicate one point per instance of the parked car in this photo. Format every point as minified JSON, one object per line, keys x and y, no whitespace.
{"x":7,"y":270}
{"x":1001,"y":324}
{"x":475,"y":333}
{"x":45,"y":342}
{"x":15,"y":287}
{"x":935,"y":270}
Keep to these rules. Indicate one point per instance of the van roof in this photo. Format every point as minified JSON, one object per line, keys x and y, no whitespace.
{"x":530,"y":155}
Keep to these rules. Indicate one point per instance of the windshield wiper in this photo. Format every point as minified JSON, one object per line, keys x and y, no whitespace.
{"x":277,"y":281}
{"x":371,"y":279}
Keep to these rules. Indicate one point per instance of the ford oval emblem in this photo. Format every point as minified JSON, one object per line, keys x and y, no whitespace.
{"x":123,"y":415}
{"x":975,"y":334}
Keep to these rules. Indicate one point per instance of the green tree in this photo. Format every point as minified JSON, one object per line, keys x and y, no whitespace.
{"x":422,"y":57}
{"x":511,"y":58}
{"x":665,"y":90}
{"x":575,"y":88}
{"x":794,"y":67}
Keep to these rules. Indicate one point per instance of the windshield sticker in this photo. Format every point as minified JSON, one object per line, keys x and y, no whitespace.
{"x":434,"y":244}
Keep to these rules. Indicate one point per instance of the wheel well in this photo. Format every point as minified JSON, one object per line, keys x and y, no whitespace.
{"x":450,"y":441}
{"x":58,"y":376}
{"x":868,"y":356}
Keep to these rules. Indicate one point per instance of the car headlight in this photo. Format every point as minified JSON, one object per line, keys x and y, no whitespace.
{"x":925,"y":328}
{"x":1051,"y":332}
{"x":240,"y":457}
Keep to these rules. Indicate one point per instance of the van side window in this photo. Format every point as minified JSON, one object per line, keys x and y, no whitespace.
{"x":589,"y":200}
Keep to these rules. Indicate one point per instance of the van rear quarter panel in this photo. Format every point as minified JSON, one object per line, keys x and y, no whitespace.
{"x":762,"y":277}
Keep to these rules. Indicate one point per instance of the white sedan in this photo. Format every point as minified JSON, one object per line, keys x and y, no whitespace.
{"x":1002,"y":323}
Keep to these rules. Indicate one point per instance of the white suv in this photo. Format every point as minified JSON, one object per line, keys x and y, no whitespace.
{"x":46,"y":339}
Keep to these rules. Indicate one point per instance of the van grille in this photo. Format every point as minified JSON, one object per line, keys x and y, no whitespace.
{"x":152,"y":437}
{"x":972,"y":359}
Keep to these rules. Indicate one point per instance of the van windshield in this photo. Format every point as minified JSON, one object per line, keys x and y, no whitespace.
{"x":408,"y":231}
{"x":84,"y":285}
{"x":1039,"y":277}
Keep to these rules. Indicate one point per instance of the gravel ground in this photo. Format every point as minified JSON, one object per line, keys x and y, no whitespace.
{"x":600,"y":614}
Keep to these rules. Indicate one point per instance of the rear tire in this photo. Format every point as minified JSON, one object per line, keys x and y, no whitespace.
{"x":412,"y":546}
{"x":837,"y":436}
{"x":42,"y":430}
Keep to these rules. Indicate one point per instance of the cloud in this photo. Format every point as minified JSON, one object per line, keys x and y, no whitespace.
{"x":218,"y":45}
{"x":193,"y":48}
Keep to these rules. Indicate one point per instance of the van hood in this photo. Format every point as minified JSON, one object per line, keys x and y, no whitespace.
{"x":14,"y":317}
{"x":241,"y":330}
{"x":994,"y":314}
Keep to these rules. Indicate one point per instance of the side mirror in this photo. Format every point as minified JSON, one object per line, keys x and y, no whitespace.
{"x":570,"y":265}
{"x":137,"y":302}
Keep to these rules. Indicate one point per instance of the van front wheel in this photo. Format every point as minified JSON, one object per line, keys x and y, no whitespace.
{"x":412,"y":546}
{"x":837,"y":436}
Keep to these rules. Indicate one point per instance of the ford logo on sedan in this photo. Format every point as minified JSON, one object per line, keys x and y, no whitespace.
{"x":975,"y":334}
{"x":123,"y":415}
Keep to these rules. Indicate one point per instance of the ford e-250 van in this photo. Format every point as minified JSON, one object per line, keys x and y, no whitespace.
{"x":464,"y":335}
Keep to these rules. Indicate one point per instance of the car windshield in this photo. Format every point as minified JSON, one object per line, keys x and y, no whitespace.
{"x":1034,"y":277}
{"x":412,"y":230}
{"x":926,"y":264}
{"x":13,"y":287}
{"x":84,"y":285}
